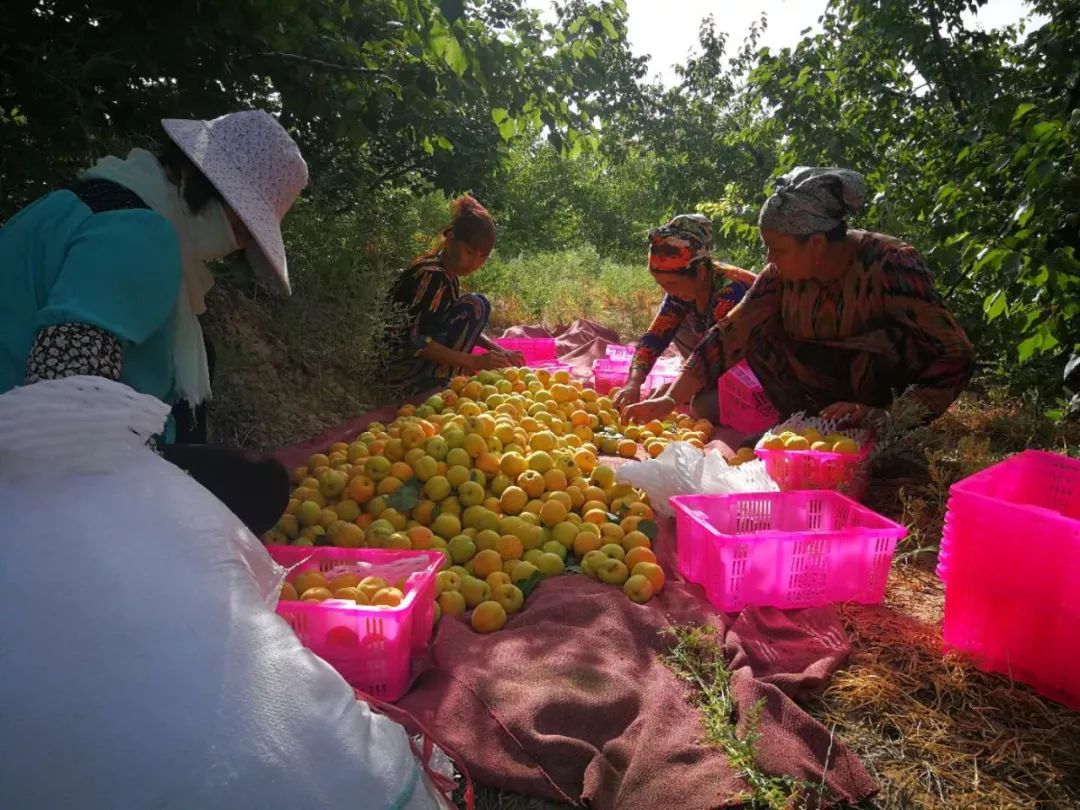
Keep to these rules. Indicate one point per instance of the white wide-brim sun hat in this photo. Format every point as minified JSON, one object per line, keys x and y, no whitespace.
{"x":257,"y":167}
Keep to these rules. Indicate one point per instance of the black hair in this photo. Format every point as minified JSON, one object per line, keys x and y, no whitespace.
{"x":197,"y":190}
{"x":837,"y":234}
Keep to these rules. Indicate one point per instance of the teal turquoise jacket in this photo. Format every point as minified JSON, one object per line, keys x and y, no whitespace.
{"x":117,"y":270}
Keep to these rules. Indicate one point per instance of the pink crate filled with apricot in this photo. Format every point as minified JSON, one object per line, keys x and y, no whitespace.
{"x":372,"y":647}
{"x":743,"y":403}
{"x":784,"y":549}
{"x":847,"y":473}
{"x":1010,"y":562}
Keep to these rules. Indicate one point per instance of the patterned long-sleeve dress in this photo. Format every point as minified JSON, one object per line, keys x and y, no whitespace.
{"x":878,"y":332}
{"x":729,"y":285}
{"x":430,"y":307}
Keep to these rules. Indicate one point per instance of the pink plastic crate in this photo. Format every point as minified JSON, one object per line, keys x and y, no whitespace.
{"x":847,"y":473}
{"x":608,"y":374}
{"x":620,"y":352}
{"x":372,"y":648}
{"x":535,"y":350}
{"x":743,"y":403}
{"x":665,"y":372}
{"x":784,"y":549}
{"x":1010,"y":561}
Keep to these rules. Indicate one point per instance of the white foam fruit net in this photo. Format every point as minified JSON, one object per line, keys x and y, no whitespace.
{"x":799,"y":422}
{"x":683,"y":469}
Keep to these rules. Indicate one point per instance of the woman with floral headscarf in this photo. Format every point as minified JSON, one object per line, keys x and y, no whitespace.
{"x":699,"y":292}
{"x":840,"y":322}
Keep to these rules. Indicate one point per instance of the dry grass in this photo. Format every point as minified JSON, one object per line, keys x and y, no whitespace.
{"x":934,"y":731}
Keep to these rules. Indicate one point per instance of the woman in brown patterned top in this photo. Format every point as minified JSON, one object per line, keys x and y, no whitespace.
{"x":840,"y":322}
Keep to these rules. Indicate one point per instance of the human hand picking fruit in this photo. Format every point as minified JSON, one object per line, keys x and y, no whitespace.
{"x":495,"y":359}
{"x":629,"y":395}
{"x":515,"y":359}
{"x":648,"y":410}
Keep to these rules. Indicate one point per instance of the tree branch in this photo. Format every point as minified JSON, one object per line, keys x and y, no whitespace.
{"x":394,"y":173}
{"x":323,"y":64}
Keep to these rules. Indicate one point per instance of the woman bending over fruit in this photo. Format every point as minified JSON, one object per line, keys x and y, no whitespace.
{"x":108,"y":276}
{"x":840,"y":322}
{"x":700,"y":292}
{"x":441,"y":326}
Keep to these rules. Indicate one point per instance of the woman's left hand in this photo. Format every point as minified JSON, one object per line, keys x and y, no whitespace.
{"x":852,"y":412}
{"x":516,"y":359}
{"x":503,"y":359}
{"x":648,"y":409}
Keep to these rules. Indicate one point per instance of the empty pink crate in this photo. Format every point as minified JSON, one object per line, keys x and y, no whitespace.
{"x":784,"y":549}
{"x":535,"y":350}
{"x":743,"y":403}
{"x":619,"y":352}
{"x":847,"y":473}
{"x":373,"y":648}
{"x":608,"y":374}
{"x":1010,"y":561}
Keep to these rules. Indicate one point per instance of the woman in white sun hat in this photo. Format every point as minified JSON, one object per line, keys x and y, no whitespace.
{"x":108,"y":277}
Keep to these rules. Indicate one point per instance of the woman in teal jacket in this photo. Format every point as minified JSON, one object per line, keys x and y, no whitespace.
{"x":108,"y":276}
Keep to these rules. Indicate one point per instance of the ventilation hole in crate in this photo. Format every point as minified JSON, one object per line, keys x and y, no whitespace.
{"x":808,"y":569}
{"x":738,"y":569}
{"x":841,"y":516}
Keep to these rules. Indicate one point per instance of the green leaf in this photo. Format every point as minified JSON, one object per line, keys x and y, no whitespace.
{"x":407,"y":496}
{"x":1027,"y":347}
{"x":528,"y":585}
{"x":454,"y":56}
{"x":648,"y":528}
{"x":1022,"y":110}
{"x":609,"y":29}
{"x":427,"y":146}
{"x":444,"y":143}
{"x":507,"y":129}
{"x":994,"y":305}
{"x":437,"y":38}
{"x":498,"y":115}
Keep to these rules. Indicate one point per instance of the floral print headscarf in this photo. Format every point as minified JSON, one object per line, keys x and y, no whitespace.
{"x":685,"y":240}
{"x":811,"y":200}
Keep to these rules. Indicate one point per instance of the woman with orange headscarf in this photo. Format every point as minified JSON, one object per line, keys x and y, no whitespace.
{"x":699,"y":292}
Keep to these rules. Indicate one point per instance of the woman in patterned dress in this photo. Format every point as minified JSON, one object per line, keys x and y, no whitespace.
{"x":436,"y":326}
{"x":699,"y":292}
{"x":842,"y":323}
{"x":108,"y":276}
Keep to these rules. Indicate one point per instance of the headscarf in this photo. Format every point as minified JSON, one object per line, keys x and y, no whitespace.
{"x":813,"y":199}
{"x":203,"y":237}
{"x":686,"y":239}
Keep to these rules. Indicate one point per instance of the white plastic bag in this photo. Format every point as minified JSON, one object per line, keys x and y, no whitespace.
{"x":684,"y":469}
{"x":144,"y":664}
